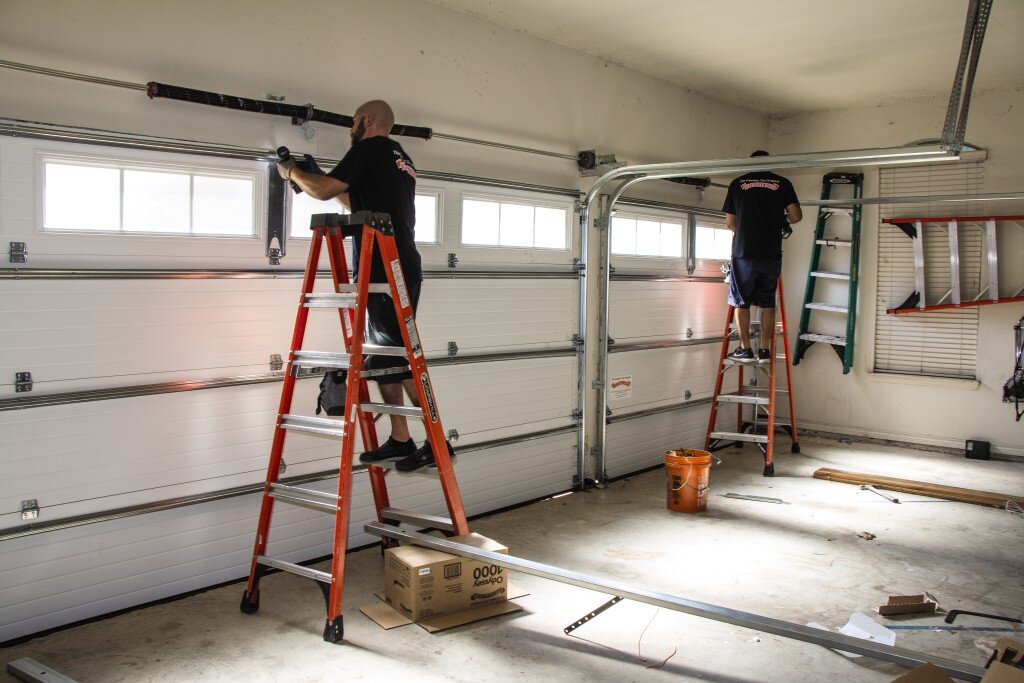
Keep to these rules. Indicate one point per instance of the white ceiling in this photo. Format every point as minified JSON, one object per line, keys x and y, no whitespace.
{"x":778,"y":56}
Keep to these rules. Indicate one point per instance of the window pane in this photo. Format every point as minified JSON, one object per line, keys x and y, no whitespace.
{"x":426,"y":218}
{"x":516,"y":225}
{"x":81,"y":198}
{"x":648,"y":238}
{"x":222,"y":206}
{"x":671,"y":240}
{"x":623,"y":236}
{"x":549,"y":228}
{"x":303,"y":208}
{"x":156,"y":202}
{"x":713,"y":243}
{"x":479,"y":222}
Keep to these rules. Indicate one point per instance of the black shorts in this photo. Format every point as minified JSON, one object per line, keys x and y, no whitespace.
{"x":382,"y":329}
{"x":753,"y":282}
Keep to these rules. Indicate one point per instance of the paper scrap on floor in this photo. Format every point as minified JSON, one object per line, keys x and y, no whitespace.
{"x":864,"y":627}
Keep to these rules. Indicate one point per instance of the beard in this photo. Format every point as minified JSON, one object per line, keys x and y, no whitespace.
{"x":357,"y":133}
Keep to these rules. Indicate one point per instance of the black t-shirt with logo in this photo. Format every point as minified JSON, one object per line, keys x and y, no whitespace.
{"x":759,"y":201}
{"x":382,"y":178}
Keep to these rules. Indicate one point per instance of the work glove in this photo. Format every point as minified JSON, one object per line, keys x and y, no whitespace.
{"x":284,"y":168}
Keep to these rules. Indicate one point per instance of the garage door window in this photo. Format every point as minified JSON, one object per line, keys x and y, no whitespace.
{"x":502,"y":223}
{"x":646,"y":236}
{"x":84,"y":195}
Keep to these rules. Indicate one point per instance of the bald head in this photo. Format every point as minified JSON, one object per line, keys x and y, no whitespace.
{"x":379,"y":115}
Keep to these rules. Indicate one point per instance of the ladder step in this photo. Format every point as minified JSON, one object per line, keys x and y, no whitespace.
{"x":315,"y":574}
{"x":835,"y":308}
{"x":827,"y":338}
{"x":842,"y":210}
{"x":831,"y":275}
{"x":426,"y":521}
{"x":317,"y":500}
{"x":373,"y":349}
{"x":831,"y":242}
{"x":330,"y":301}
{"x":752,"y":361}
{"x":390,"y":409}
{"x":742,"y":398}
{"x":318,"y":426}
{"x":740,"y":436}
{"x":321,"y":359}
{"x":375,"y":288}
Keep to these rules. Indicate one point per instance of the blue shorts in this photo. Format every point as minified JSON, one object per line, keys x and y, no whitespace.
{"x":753,"y":282}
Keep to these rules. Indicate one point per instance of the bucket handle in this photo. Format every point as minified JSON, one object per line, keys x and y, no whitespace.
{"x":687,"y":485}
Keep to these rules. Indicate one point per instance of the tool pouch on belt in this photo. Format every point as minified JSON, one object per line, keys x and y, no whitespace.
{"x":332,"y":393}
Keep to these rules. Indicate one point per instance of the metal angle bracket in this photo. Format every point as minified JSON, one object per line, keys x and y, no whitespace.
{"x":18,"y":252}
{"x":22,"y":382}
{"x":584,"y":619}
{"x":30,"y":509}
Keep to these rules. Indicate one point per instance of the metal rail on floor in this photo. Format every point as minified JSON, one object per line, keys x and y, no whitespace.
{"x":887,"y":653}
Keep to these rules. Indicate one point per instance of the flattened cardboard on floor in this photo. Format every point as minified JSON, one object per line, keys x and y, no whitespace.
{"x":387,"y":618}
{"x":421,"y":583}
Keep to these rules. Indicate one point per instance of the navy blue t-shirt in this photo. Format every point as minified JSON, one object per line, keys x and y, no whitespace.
{"x":759,"y":200}
{"x":382,"y":178}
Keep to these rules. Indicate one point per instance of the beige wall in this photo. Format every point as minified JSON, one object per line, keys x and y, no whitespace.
{"x":941,"y":412}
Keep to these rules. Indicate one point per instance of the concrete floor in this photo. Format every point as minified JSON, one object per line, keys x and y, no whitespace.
{"x":800,"y":562}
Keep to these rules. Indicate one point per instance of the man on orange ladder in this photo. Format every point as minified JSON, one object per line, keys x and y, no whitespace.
{"x":377,"y":175}
{"x":756,"y":208}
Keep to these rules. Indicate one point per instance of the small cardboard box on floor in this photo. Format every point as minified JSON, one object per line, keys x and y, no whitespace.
{"x":437,"y":590}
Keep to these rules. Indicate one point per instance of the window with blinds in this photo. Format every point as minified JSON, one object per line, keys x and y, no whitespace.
{"x":937,"y":343}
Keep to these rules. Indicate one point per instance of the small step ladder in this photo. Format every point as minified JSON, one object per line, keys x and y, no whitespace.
{"x":991,"y":293}
{"x":843,"y":345}
{"x":350,"y":301}
{"x":761,"y":424}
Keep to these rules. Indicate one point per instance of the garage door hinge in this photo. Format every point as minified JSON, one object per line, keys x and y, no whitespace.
{"x":453,"y":260}
{"x":577,"y":414}
{"x":22,"y":382}
{"x":276,"y":362}
{"x":597,"y":384}
{"x":453,"y":348}
{"x":577,"y":340}
{"x":30,"y":509}
{"x":578,"y":265}
{"x":600,"y":223}
{"x":453,"y":434}
{"x":19,"y":252}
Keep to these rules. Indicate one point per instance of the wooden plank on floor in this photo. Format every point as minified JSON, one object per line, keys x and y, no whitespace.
{"x":922,"y":488}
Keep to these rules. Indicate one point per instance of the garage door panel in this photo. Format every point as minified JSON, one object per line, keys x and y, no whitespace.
{"x":645,"y":310}
{"x":641,"y":443}
{"x":63,"y":576}
{"x":662,"y":376}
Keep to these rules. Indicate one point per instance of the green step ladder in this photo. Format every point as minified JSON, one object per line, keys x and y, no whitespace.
{"x":806,"y":338}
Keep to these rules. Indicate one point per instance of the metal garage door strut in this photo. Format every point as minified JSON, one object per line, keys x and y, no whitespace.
{"x":349,"y":299}
{"x":762,"y":422}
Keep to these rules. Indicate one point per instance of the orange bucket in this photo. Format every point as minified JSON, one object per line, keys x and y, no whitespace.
{"x":688,"y":472}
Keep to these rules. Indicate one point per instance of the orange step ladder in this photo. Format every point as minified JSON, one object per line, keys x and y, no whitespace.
{"x":349,"y":299}
{"x":760,"y":425}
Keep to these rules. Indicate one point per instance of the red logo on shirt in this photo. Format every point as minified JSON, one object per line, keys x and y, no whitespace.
{"x":406,"y":166}
{"x":766,"y":184}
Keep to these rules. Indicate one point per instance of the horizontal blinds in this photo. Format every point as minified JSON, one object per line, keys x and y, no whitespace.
{"x":938,"y":343}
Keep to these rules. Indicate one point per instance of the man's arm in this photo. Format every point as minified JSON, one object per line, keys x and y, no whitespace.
{"x":793,"y":212}
{"x":320,"y":187}
{"x":343,"y":199}
{"x":730,"y":221}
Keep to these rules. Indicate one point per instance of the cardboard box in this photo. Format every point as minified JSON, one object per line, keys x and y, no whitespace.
{"x":1006,"y":665}
{"x":422,"y":583}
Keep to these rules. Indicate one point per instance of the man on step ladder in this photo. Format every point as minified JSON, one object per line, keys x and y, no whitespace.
{"x":377,"y":175}
{"x":756,"y":208}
